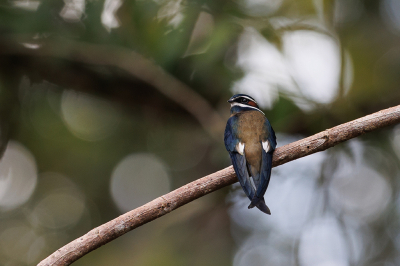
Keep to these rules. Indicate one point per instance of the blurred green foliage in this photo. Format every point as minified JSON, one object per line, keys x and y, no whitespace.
{"x":81,"y":91}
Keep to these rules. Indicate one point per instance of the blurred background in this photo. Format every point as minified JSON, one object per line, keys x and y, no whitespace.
{"x":106,"y":105}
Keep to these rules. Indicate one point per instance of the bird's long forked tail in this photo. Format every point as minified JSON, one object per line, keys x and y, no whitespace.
{"x":260,"y":204}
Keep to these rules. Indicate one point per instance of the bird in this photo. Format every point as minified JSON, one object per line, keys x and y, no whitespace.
{"x":250,"y":141}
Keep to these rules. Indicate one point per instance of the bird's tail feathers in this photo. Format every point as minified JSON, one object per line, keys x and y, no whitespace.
{"x":260,"y":204}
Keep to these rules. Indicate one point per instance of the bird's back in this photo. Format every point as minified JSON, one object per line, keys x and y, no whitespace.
{"x":251,"y":131}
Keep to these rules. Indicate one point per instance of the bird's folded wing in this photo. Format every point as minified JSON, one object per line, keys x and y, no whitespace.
{"x":265,"y":173}
{"x":269,"y":145}
{"x":239,"y":164}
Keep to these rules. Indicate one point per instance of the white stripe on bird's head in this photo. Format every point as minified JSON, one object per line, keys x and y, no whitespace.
{"x":243,"y":96}
{"x":245,"y":106}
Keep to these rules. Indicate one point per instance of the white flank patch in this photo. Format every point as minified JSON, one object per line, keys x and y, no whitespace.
{"x":240,"y":148}
{"x":266,"y":146}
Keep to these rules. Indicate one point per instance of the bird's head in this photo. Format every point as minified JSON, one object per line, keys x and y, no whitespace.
{"x":243,"y":102}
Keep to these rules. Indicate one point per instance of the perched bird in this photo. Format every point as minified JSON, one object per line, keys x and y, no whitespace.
{"x":250,"y":141}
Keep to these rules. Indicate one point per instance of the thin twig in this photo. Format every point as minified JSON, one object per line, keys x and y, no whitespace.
{"x":183,"y":195}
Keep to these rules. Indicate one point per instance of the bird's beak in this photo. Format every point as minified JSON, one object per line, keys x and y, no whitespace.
{"x":230,"y":101}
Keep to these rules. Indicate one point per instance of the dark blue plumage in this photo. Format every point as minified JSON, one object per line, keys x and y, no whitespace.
{"x":250,"y":141}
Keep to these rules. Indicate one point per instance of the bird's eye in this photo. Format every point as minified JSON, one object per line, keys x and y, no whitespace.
{"x":244,"y":100}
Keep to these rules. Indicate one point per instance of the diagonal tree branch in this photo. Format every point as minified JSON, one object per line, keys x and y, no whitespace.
{"x":196,"y":189}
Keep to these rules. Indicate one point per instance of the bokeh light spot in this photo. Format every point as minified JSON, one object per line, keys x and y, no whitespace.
{"x":390,"y":11}
{"x":307,"y":70}
{"x":18,"y":176}
{"x":264,"y":68}
{"x":314,"y":61}
{"x":360,"y":191}
{"x":87,"y":117}
{"x":256,"y":253}
{"x":29,"y":5}
{"x":108,"y":17}
{"x":61,"y":203}
{"x":17,"y":243}
{"x":138,"y":179}
{"x":323,"y":243}
{"x":73,"y":10}
{"x":396,"y":140}
{"x":59,"y":210}
{"x":171,"y":11}
{"x":261,"y":7}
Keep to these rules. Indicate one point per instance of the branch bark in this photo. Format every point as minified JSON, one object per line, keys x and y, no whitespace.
{"x":196,"y":189}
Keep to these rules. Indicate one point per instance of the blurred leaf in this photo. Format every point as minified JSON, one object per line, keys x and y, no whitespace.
{"x":272,"y":36}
